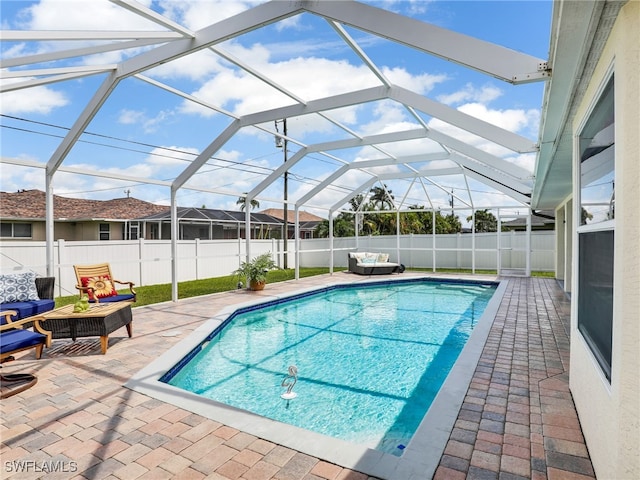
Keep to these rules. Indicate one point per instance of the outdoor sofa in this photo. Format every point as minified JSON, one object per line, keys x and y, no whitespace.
{"x":26,"y":294}
{"x":369,"y":263}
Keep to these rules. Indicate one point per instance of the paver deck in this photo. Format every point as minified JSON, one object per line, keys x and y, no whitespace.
{"x":518,"y":420}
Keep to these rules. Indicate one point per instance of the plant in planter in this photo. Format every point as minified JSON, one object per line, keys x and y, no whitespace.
{"x":255,"y":271}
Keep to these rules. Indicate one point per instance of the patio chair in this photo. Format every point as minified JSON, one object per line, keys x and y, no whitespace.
{"x":97,"y":282}
{"x":14,"y":337}
{"x":14,"y":383}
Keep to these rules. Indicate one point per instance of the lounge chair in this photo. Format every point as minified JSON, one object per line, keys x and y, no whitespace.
{"x":97,"y":282}
{"x":14,"y":383}
{"x":367,"y":263}
{"x":14,"y":337}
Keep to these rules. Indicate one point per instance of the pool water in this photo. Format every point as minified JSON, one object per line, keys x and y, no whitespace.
{"x":370,"y":359}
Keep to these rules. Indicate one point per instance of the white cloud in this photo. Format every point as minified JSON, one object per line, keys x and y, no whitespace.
{"x":196,"y":66}
{"x":41,"y":100}
{"x":83,"y":15}
{"x":197,"y":14}
{"x":61,"y":15}
{"x":148,"y":124}
{"x":471,"y":93}
{"x":422,"y":84}
{"x":171,"y":156}
{"x":514,"y":120}
{"x":130,"y":117}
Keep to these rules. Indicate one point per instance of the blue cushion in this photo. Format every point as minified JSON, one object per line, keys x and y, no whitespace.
{"x":116,"y":298}
{"x":27,"y":309}
{"x":17,"y":339}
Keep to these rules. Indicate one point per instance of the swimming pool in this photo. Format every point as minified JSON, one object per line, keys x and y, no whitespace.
{"x":399,"y":382}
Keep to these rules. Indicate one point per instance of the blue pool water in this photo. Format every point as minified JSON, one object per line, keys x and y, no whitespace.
{"x":370,"y":358}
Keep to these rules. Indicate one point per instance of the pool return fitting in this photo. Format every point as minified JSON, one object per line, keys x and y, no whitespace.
{"x":289,"y":381}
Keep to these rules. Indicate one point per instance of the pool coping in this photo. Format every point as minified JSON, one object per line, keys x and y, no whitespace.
{"x":421,"y":456}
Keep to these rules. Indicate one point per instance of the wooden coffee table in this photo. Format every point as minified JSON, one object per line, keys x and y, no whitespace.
{"x":100,"y":320}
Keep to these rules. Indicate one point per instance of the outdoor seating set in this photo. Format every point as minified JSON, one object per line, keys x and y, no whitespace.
{"x":26,"y":302}
{"x":368,"y":263}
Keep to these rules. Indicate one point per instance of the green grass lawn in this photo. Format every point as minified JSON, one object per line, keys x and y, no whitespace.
{"x":195,"y":288}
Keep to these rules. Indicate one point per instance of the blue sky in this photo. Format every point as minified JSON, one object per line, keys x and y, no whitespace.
{"x":145,"y":132}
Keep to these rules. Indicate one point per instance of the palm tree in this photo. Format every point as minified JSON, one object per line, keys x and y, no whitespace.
{"x":242,"y":201}
{"x":381,"y":198}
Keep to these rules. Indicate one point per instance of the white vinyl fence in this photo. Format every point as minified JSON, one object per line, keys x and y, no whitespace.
{"x":451,"y":251}
{"x":148,"y":262}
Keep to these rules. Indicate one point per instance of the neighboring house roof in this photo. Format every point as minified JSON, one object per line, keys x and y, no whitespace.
{"x":538,"y":220}
{"x":30,"y":205}
{"x":291,"y":215}
{"x":209,"y":214}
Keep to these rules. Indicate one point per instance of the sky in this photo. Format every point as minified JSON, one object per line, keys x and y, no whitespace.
{"x":144,"y":132}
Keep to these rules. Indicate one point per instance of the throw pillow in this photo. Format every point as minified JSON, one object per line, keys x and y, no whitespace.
{"x":370,"y":258}
{"x":18,"y":287}
{"x":102,"y":286}
{"x":359,"y":256}
{"x":383,"y":257}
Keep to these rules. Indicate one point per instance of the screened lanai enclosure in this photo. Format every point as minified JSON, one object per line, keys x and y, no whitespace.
{"x":307,"y":105}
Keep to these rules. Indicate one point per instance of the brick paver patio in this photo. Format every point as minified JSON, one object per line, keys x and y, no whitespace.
{"x":517,"y":421}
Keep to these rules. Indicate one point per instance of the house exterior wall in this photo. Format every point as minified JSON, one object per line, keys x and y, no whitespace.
{"x":564,"y":253}
{"x":71,"y":231}
{"x":61,"y":231}
{"x":560,"y":238}
{"x":609,"y":412}
{"x":38,"y":231}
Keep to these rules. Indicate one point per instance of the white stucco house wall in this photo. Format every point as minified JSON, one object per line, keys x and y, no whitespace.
{"x":588,"y":170}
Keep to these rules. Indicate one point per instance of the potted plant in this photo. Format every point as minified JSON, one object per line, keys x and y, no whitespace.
{"x":255,"y":271}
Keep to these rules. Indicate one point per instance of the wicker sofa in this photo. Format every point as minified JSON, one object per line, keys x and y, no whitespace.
{"x":18,"y":294}
{"x":369,"y":263}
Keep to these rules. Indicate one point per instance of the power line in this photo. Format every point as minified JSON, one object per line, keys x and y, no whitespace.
{"x":258,"y":170}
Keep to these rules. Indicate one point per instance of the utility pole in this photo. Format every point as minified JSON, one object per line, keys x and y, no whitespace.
{"x":282,"y":142}
{"x":451,"y":203}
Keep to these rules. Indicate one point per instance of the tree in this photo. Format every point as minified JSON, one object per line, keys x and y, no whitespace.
{"x":485,"y":221}
{"x":242,"y":201}
{"x":451,"y":224}
{"x":356,"y":202}
{"x":381,"y":198}
{"x":342,"y":227}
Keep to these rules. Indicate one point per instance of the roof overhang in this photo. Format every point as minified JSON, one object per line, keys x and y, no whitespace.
{"x":578,"y":36}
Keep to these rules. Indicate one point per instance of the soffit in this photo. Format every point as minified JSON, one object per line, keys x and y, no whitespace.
{"x":583,"y":29}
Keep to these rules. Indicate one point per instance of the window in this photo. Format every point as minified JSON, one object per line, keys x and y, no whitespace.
{"x":104,"y":231}
{"x":15,"y":230}
{"x":130,"y":231}
{"x":134,"y":232}
{"x":596,"y":233}
{"x":597,"y":162}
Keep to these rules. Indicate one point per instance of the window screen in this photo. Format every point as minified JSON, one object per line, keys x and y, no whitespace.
{"x":597,"y":161}
{"x":595,"y":297}
{"x":6,"y":230}
{"x":104,"y":231}
{"x":22,"y":230}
